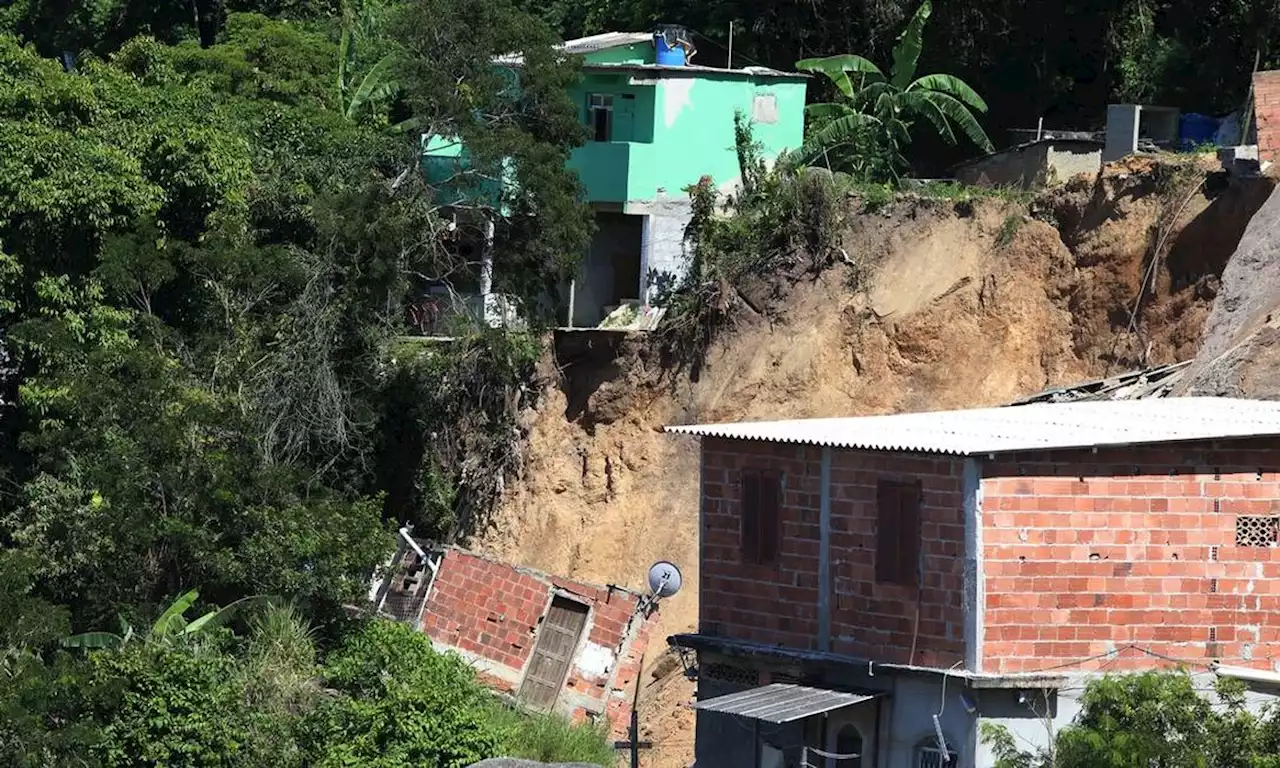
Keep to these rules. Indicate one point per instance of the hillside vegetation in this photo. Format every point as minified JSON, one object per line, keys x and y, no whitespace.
{"x":212,"y":218}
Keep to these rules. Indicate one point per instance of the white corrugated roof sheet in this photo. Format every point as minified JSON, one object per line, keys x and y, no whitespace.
{"x":606,"y":40}
{"x":1038,"y":426}
{"x":584,"y":45}
{"x":781,"y":703}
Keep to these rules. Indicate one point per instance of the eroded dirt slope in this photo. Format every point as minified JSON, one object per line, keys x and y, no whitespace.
{"x":947,"y":305}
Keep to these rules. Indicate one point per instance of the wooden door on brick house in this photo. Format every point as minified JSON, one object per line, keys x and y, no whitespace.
{"x":557,"y":640}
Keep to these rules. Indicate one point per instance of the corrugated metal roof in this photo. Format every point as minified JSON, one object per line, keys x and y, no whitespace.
{"x":1037,"y":426}
{"x":606,"y":40}
{"x":781,"y":702}
{"x":1157,"y":381}
{"x":584,"y":45}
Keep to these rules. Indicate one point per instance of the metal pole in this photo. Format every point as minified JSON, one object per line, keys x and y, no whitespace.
{"x":730,"y":64}
{"x":635,"y":717}
{"x":1040,"y":128}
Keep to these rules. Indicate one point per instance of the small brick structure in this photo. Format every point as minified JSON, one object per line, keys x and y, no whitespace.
{"x":492,"y":614}
{"x":1266,"y":103}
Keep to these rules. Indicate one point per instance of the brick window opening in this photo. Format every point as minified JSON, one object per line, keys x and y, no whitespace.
{"x":761,"y":526}
{"x":897,"y":532}
{"x":1255,"y":531}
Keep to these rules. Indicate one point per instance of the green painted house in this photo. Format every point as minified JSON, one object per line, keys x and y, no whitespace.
{"x":657,"y":123}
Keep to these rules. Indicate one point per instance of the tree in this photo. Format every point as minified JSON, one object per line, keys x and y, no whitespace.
{"x":517,"y":123}
{"x":171,"y":624}
{"x":884,"y":108}
{"x":1155,"y":719}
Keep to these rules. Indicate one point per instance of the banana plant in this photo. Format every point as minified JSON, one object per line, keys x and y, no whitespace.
{"x":378,"y":85}
{"x":886,"y":106}
{"x":171,"y":624}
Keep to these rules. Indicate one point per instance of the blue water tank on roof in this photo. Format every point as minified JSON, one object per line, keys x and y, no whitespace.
{"x":668,"y":51}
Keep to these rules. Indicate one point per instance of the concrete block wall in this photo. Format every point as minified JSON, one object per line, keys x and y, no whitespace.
{"x":1085,"y":554}
{"x":778,"y":604}
{"x":1266,"y":102}
{"x":490,"y":613}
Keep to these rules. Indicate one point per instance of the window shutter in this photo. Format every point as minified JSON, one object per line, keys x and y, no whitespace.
{"x":750,"y":490}
{"x":770,"y":525}
{"x":909,"y":529}
{"x":898,"y":532}
{"x":887,"y":534}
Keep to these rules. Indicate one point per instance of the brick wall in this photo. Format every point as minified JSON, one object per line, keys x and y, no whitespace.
{"x":878,"y":621}
{"x":1089,"y":553}
{"x":486,"y":609}
{"x":778,"y":604}
{"x":490,"y":612}
{"x":775,"y":604}
{"x":1266,"y":100}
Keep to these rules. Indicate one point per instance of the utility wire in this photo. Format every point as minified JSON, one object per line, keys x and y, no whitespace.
{"x":736,"y":54}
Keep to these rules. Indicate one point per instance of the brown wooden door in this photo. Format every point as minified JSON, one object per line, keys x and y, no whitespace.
{"x":557,"y":641}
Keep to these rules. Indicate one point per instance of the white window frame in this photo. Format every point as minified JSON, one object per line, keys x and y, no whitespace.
{"x":600,"y":102}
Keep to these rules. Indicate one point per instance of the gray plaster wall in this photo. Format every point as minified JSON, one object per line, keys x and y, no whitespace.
{"x":612,"y":268}
{"x":1066,"y":160}
{"x":906,"y":719}
{"x":1033,"y":165}
{"x":891,"y":737}
{"x":1122,"y":131}
{"x":664,"y":260}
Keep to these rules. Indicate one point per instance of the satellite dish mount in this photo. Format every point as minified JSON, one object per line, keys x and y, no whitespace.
{"x":664,"y":581}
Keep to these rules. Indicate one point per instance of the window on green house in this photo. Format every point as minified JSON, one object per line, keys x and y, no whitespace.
{"x":600,"y":116}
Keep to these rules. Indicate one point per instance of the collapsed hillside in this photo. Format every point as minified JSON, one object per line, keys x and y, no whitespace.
{"x":940,"y":304}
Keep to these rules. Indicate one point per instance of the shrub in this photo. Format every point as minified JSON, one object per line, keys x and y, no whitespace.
{"x":402,"y":704}
{"x":552,"y":738}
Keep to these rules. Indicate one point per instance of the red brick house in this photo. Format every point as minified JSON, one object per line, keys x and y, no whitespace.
{"x":880,"y":586}
{"x":552,"y":644}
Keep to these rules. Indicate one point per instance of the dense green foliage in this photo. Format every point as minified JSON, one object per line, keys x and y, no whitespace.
{"x":206,"y":251}
{"x":1153,"y":719}
{"x":867,"y":131}
{"x":269,"y":697}
{"x":1064,"y":61}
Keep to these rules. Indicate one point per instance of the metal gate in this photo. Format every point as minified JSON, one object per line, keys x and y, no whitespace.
{"x":557,"y":641}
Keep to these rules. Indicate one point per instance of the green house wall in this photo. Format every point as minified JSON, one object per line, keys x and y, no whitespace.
{"x":671,"y":127}
{"x":678,"y":127}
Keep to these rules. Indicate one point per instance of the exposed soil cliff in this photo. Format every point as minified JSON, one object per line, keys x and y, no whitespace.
{"x":948,"y":305}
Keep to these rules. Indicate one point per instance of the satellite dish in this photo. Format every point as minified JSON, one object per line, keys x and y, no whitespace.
{"x":664,"y":579}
